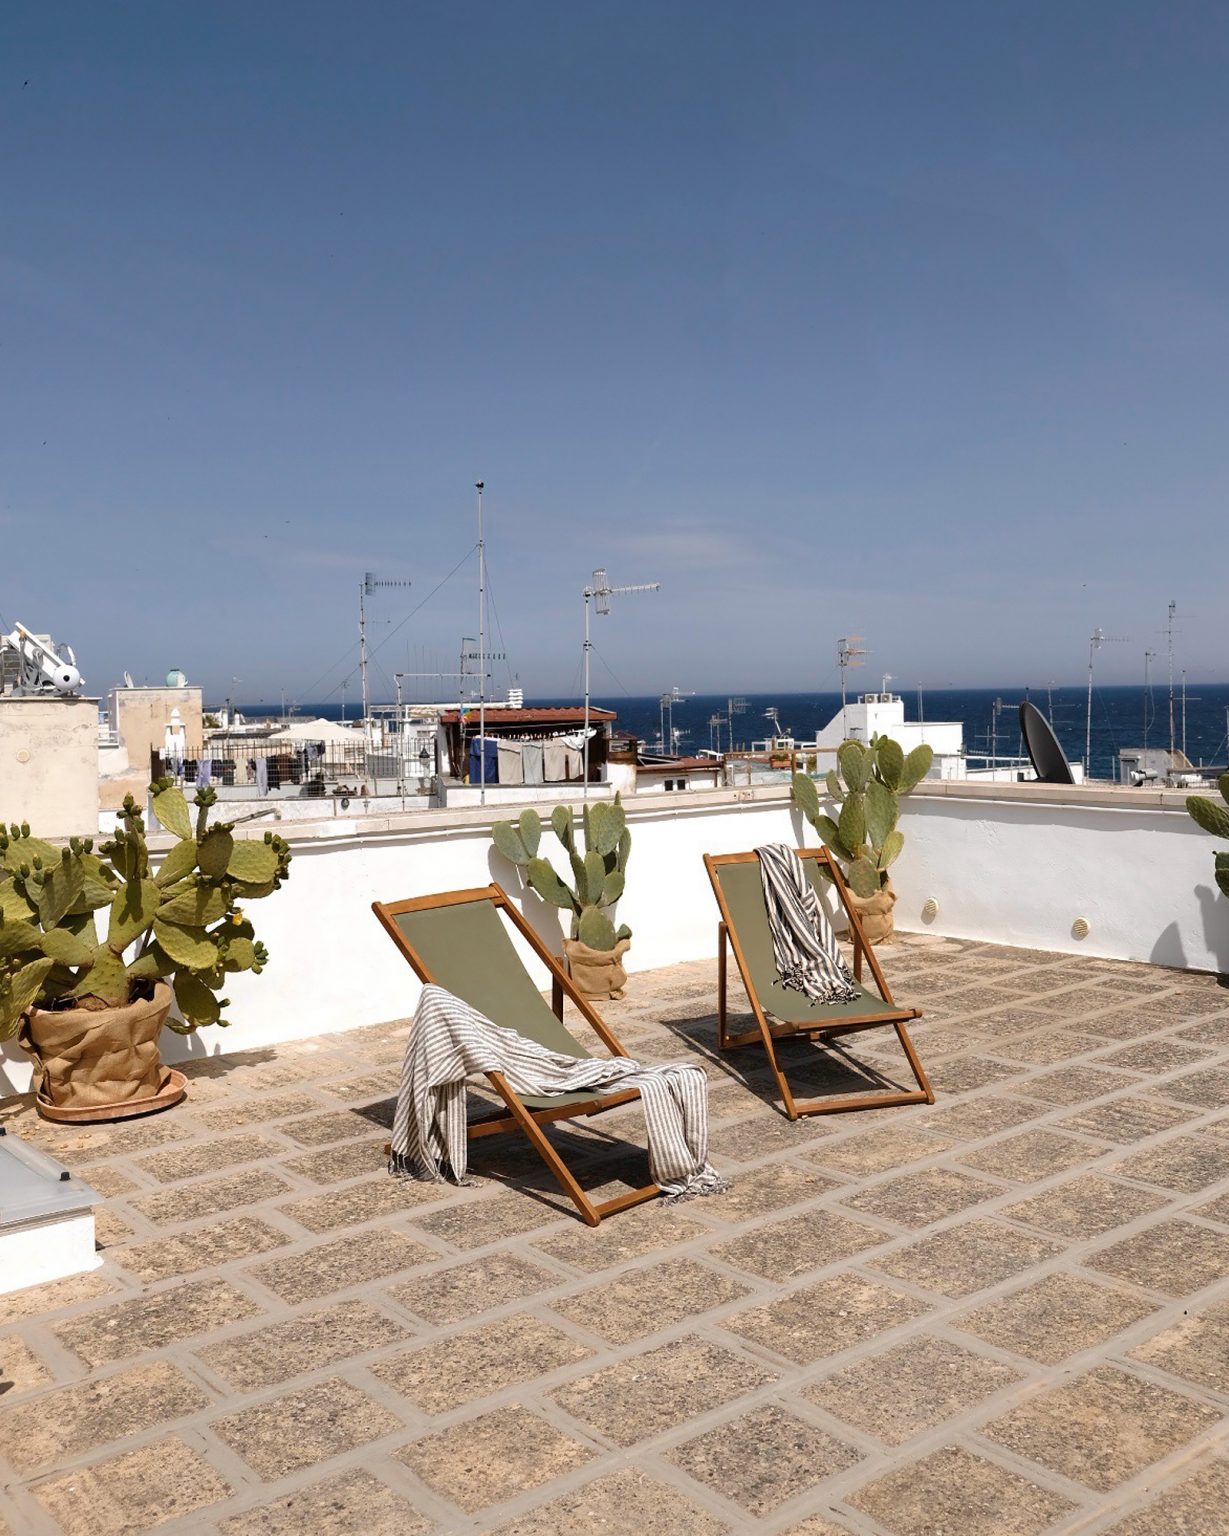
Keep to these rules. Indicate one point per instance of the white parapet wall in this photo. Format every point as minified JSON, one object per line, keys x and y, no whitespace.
{"x":1006,"y":863}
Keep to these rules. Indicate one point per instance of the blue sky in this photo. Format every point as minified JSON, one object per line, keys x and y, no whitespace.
{"x":905,"y":320}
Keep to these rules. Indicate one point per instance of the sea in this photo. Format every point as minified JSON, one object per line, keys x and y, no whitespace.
{"x":1124,"y":716}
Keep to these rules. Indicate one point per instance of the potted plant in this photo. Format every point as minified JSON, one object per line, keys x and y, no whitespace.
{"x":89,"y":1004}
{"x":1214,"y":818}
{"x":865,"y":789}
{"x":596,"y":948}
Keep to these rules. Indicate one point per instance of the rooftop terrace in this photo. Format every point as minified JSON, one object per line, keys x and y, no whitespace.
{"x":1001,"y":1315}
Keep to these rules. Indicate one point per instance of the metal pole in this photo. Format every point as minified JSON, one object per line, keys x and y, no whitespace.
{"x":1092,"y":643}
{"x":362,"y":666}
{"x":479,"y":486}
{"x":1184,"y":713}
{"x":1170,"y":632}
{"x":585,"y":738}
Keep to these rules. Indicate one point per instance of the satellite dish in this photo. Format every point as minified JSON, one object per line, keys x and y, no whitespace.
{"x":175,"y":678}
{"x":128,"y":682}
{"x":1049,"y":759}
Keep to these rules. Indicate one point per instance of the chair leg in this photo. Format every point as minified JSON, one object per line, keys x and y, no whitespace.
{"x":722,"y":940}
{"x":915,"y":1063}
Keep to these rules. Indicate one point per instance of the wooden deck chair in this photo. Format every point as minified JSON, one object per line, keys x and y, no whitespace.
{"x":744,"y":927}
{"x":460,"y":941}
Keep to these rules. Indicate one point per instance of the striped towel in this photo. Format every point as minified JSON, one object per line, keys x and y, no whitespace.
{"x":450,"y":1041}
{"x":803,"y":943}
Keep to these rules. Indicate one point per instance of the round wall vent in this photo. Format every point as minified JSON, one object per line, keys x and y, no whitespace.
{"x":1081,"y":928}
{"x":930,"y":909}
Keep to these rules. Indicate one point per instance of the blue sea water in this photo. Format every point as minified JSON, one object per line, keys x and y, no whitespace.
{"x":1126,"y":716}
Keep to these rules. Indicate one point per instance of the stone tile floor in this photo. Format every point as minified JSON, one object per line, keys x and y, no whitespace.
{"x":1002,"y":1315}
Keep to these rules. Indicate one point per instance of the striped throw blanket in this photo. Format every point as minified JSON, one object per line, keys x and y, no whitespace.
{"x":803,"y":943}
{"x":450,"y":1041}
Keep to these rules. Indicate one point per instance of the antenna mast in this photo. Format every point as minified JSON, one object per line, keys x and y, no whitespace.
{"x":368,"y":586}
{"x":848,"y":654}
{"x":599,"y":591}
{"x":480,"y":486}
{"x":1096,"y":640}
{"x":1169,"y":635}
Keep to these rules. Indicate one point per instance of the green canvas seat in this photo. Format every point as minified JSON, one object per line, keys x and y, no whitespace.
{"x":744,"y":927}
{"x":462,"y":941}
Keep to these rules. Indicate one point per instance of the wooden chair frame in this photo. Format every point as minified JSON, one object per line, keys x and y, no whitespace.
{"x":519,"y":1116}
{"x":766,"y":1033}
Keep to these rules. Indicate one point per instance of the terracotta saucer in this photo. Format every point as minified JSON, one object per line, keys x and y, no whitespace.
{"x":97,"y":1114}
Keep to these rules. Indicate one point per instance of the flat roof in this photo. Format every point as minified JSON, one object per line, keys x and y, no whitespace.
{"x":497,"y":714}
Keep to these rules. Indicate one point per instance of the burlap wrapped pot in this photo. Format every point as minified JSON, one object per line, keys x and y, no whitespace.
{"x":597,"y":972}
{"x":99,"y":1059}
{"x":875,"y":913}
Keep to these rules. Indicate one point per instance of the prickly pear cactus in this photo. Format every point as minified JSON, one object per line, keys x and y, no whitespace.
{"x":181,"y":922}
{"x":865,"y":790}
{"x":599,"y":869}
{"x":1213,"y":817}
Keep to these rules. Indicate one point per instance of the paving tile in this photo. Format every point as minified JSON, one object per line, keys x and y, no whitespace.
{"x":1058,"y":1043}
{"x":1055,"y":1317}
{"x":966,"y":1258}
{"x":956,"y":1493}
{"x":822,"y":1319}
{"x":346,"y":1505}
{"x":1196,"y":1348}
{"x":452,"y":1295}
{"x":746,"y":1140}
{"x":1130,"y":1119}
{"x":108,"y":1181}
{"x":239,"y":1237}
{"x":1086,"y":1206}
{"x":21,"y":1370}
{"x":309,"y":1342}
{"x":134,"y":1492}
{"x":475,"y":1223}
{"x":35,"y":1300}
{"x":72,"y":1420}
{"x":345,"y":1261}
{"x":1209,"y":1088}
{"x":961,"y":1074}
{"x":209,"y":1156}
{"x":1193,"y":1507}
{"x":769,"y":1189}
{"x":1121,"y":1023}
{"x":494,"y":1457}
{"x":645,"y":1229}
{"x":153,"y":1321}
{"x":110,"y":1228}
{"x":211,"y":1197}
{"x":259,"y":1110}
{"x":323,"y":1129}
{"x":1215,"y":1210}
{"x":647,"y":1394}
{"x":630,"y":1502}
{"x":642,"y":1302}
{"x":1029,"y":1156}
{"x":358,"y":1203}
{"x":1004,"y":1022}
{"x":917,"y":1199}
{"x":1188,"y":1163}
{"x":1074,"y":1085}
{"x":911,"y":1387}
{"x":1207,"y":1031}
{"x":1101,"y":1428}
{"x":878,"y":1149}
{"x":763,"y":1458}
{"x":478,"y":1362}
{"x":817,"y":1525}
{"x":810,"y":1240}
{"x":299,"y":1429}
{"x":1174,"y":1257}
{"x":333,"y":1165}
{"x":1155,"y":1056}
{"x":984,"y":1115}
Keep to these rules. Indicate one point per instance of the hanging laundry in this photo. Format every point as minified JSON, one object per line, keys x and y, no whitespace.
{"x":554,"y":761}
{"x":510,"y":767}
{"x":575,"y":763}
{"x":532,"y":763}
{"x":484,"y":749}
{"x":262,"y":775}
{"x":204,"y":771}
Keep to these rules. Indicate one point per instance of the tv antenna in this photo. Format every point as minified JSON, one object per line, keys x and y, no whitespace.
{"x":666,"y":705}
{"x":848,"y":654}
{"x":1149,"y":705}
{"x":1096,"y":640}
{"x":1169,"y":636}
{"x":735,"y":706}
{"x":599,"y":592}
{"x":368,"y":585}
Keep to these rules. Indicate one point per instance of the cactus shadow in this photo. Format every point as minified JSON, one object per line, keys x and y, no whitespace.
{"x":540,"y":915}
